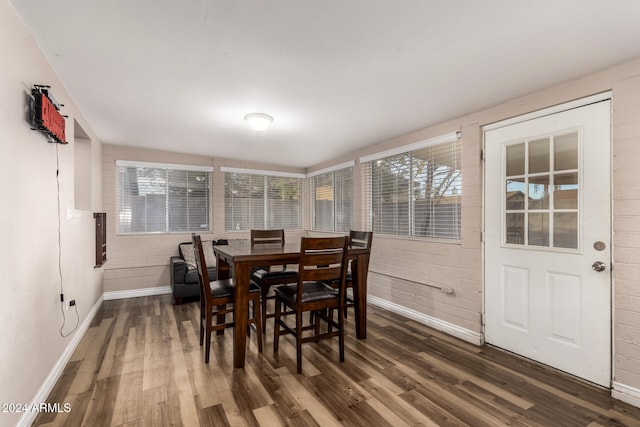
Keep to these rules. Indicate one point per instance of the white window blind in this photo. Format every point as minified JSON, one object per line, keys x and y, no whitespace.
{"x":331,"y":200}
{"x":157,"y":198}
{"x":416,"y":193}
{"x":255,"y":201}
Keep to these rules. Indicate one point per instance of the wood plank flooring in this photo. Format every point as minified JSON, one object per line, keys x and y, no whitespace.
{"x":140,"y":364}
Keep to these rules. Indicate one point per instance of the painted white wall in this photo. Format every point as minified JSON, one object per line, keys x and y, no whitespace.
{"x":30,"y":280}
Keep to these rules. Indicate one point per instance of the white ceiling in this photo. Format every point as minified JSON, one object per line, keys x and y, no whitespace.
{"x":335,"y":75}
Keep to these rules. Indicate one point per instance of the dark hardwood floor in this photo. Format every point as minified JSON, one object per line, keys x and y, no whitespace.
{"x":140,"y":364}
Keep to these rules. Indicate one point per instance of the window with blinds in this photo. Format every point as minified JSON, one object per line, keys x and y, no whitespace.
{"x":157,"y":198}
{"x":256,"y":201}
{"x":416,"y":193}
{"x":331,"y":199}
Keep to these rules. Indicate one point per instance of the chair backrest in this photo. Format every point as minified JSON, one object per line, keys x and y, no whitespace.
{"x":322,"y":259}
{"x":360,"y":239}
{"x":263,"y":237}
{"x":203,"y":273}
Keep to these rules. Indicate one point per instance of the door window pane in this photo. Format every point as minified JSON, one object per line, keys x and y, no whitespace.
{"x":565,"y":193}
{"x":539,"y":229}
{"x":515,"y":194}
{"x":539,"y":192}
{"x":565,"y":151}
{"x":565,"y":230}
{"x":539,"y":156}
{"x":515,"y":228}
{"x":515,"y":159}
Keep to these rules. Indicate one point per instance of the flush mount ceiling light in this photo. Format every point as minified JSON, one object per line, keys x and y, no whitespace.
{"x":258,"y":121}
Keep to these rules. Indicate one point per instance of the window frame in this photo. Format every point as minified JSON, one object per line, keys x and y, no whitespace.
{"x":337,"y":188}
{"x":451,"y":141}
{"x":267,"y":210}
{"x":168,"y":168}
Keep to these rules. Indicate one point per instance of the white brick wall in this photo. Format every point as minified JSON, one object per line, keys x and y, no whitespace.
{"x":462,"y":269}
{"x":457,"y":266}
{"x":626,"y":231}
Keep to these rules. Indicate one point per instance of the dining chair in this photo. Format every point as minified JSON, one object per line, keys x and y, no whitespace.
{"x":266,"y":277}
{"x":322,"y":260}
{"x":217,"y":300}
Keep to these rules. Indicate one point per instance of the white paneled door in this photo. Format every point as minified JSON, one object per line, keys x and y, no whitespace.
{"x":548,"y":240}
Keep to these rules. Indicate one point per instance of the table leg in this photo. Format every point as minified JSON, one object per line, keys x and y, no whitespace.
{"x":240,"y":313}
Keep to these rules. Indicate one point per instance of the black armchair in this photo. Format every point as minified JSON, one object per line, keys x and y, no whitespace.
{"x":184,"y":273}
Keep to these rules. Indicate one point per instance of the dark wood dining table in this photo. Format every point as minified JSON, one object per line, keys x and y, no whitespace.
{"x":238,"y":256}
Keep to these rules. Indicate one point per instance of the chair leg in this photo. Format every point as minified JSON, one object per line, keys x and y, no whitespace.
{"x":220,"y":319}
{"x":201,"y":331}
{"x":178,"y":300}
{"x":341,"y":335}
{"x":207,"y":349}
{"x":329,"y":322}
{"x":345,"y":304}
{"x":259,"y":325}
{"x":299,"y":341}
{"x":264,"y":291}
{"x":316,"y":321}
{"x":276,"y":325}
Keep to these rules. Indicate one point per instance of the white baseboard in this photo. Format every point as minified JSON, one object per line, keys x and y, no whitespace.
{"x":434,"y":322}
{"x":29,"y":416}
{"x":627,"y":394}
{"x":135,"y":293}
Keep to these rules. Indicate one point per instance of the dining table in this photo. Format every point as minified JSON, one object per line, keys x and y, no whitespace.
{"x":239,"y":258}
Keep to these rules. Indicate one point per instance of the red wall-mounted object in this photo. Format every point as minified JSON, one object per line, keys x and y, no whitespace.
{"x":48,"y":119}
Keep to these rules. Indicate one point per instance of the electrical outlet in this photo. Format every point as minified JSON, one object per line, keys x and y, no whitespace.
{"x":69,"y":303}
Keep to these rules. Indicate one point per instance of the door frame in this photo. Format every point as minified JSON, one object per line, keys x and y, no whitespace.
{"x":578,"y":103}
